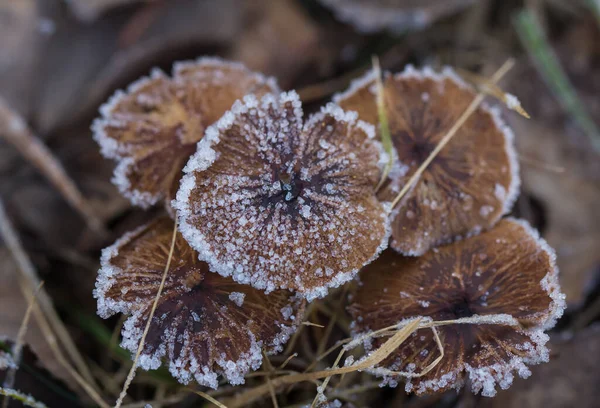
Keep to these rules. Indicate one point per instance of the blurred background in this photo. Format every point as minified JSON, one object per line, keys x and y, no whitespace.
{"x":61,"y":59}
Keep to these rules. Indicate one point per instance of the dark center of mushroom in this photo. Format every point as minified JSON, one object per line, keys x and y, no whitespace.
{"x":421,"y":150}
{"x":291,"y":189}
{"x":461,"y":308}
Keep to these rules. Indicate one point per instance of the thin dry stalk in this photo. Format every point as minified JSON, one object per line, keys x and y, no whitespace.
{"x":287,"y":360}
{"x":207,"y":397}
{"x":488,"y":88}
{"x":131,"y":374}
{"x":44,"y":325}
{"x":398,"y":336}
{"x":9,"y":381}
{"x":14,"y":129}
{"x":29,"y":274}
{"x":375,"y":358}
{"x":533,"y":162}
{"x":448,"y":136}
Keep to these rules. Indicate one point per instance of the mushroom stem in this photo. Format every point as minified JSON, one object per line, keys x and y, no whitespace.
{"x":507,"y":66}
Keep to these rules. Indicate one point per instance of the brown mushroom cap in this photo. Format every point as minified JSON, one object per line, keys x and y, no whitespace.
{"x":470,"y":184}
{"x":152,"y":129}
{"x":204,"y":324}
{"x":276,"y":203}
{"x":396,"y":15}
{"x":505,"y":281}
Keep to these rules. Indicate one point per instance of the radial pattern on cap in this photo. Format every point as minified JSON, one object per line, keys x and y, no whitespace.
{"x":468,"y":186}
{"x":278,"y":203}
{"x":204,"y":324}
{"x":504,"y":281}
{"x":152,"y":129}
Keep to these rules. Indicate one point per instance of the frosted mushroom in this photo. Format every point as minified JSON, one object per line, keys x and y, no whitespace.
{"x":276,"y":203}
{"x":504,"y":282}
{"x":152,"y":129}
{"x":470,"y":184}
{"x":396,"y":15}
{"x":204,"y":325}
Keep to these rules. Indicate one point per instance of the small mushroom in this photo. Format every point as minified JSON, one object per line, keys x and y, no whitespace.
{"x":152,"y":129}
{"x":468,"y":186}
{"x":276,"y":203}
{"x":395,"y":15}
{"x":204,"y":324}
{"x":504,"y":282}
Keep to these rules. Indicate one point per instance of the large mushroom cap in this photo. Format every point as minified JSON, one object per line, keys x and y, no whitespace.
{"x":470,"y":184}
{"x":204,"y":324}
{"x":396,"y":15}
{"x":152,"y":129}
{"x":276,"y":203}
{"x":504,"y":280}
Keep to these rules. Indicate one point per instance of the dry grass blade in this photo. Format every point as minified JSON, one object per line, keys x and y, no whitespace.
{"x":26,"y":400}
{"x":131,"y":374}
{"x":207,"y":397}
{"x":14,"y":129}
{"x":29,"y":275}
{"x":384,"y":127}
{"x":448,"y":136}
{"x":60,"y":357}
{"x":375,"y":358}
{"x":9,"y":381}
{"x":485,"y":86}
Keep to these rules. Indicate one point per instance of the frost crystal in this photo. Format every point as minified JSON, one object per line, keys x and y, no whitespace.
{"x":276,"y":203}
{"x":470,"y":184}
{"x":204,"y":324}
{"x":501,"y":285}
{"x":151,"y":130}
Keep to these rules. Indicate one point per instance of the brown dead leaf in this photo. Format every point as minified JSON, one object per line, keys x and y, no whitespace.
{"x":279,"y":39}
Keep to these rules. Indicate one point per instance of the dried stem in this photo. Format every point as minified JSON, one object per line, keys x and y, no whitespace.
{"x":29,"y":275}
{"x":448,"y":136}
{"x":384,"y":127}
{"x":9,"y":380}
{"x":131,"y":374}
{"x":14,"y":129}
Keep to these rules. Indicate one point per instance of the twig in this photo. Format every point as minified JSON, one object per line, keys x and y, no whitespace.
{"x":29,"y":274}
{"x":14,"y":129}
{"x":9,"y":380}
{"x":131,"y":374}
{"x":448,"y":136}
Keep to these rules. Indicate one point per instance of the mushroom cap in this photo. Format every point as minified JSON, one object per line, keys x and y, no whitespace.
{"x":276,"y":203}
{"x":506,"y":276}
{"x":468,"y":186}
{"x":396,"y":15}
{"x":152,"y":129}
{"x":205,"y":324}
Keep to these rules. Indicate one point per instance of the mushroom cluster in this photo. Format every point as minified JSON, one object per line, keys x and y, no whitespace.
{"x":266,"y":210}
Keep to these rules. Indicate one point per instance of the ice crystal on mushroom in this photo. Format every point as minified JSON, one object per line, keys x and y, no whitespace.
{"x":470,"y":184}
{"x":152,"y":129}
{"x":504,"y":281}
{"x":276,"y":203}
{"x":396,"y":15}
{"x":204,"y":324}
